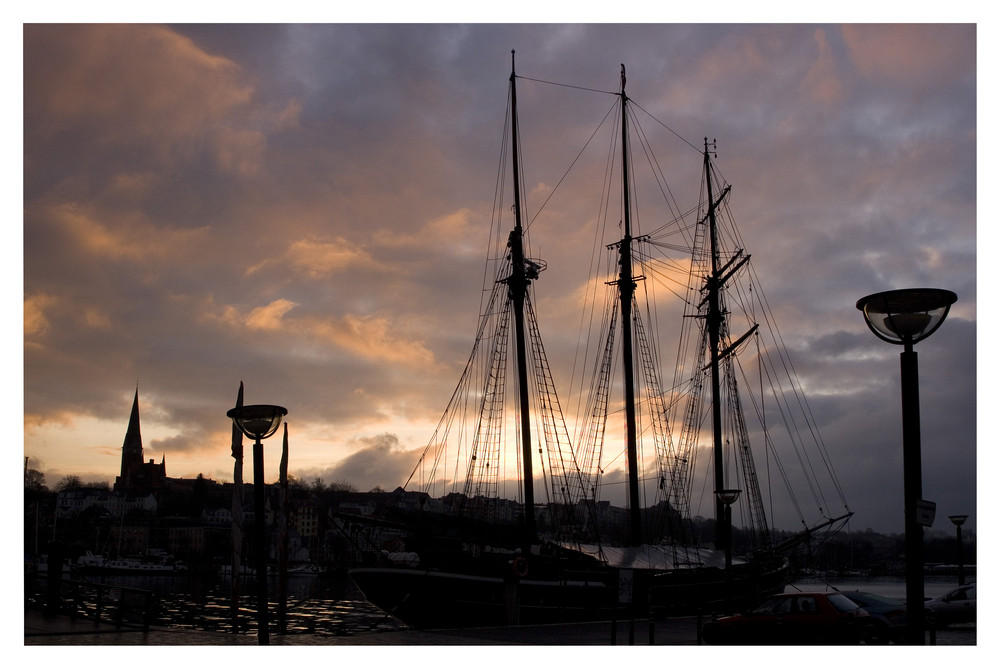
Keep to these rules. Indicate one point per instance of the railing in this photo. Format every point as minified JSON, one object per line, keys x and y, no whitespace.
{"x":120,"y":605}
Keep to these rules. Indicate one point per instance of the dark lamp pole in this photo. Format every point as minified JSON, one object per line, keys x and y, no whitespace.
{"x":259,"y":421}
{"x":959,"y":521}
{"x":728,"y":498}
{"x":905,"y":317}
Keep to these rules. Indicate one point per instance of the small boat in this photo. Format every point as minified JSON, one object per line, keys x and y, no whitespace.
{"x":151,"y":564}
{"x":494,"y":561}
{"x":305,"y":570}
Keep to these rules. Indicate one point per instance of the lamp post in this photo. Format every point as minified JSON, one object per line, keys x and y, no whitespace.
{"x":905,"y":317}
{"x":959,"y":521}
{"x":728,"y":498}
{"x":259,"y":421}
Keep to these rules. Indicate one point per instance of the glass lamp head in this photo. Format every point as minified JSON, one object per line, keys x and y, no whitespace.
{"x":906,"y":316}
{"x":728,"y":497}
{"x":958,"y":520}
{"x":258,"y":421}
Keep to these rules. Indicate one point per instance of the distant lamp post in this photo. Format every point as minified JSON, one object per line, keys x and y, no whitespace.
{"x":258,"y":422}
{"x":906,"y":317}
{"x":959,"y":521}
{"x":728,"y":498}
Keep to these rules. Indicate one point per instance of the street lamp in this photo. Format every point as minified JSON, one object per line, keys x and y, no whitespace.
{"x":906,"y":317}
{"x":728,"y":498}
{"x":259,"y":421}
{"x":959,"y":521}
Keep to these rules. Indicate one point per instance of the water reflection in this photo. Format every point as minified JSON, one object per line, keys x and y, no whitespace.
{"x":331,"y":605}
{"x":324,"y":605}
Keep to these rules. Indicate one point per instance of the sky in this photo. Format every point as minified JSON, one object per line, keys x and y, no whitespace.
{"x":304,"y":208}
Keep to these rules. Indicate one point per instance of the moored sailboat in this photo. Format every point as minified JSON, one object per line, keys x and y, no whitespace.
{"x":496,"y":572}
{"x":490,"y":562}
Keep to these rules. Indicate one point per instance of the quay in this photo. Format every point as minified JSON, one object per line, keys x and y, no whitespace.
{"x":62,"y":630}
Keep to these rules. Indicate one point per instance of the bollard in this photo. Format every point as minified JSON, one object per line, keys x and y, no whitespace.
{"x":53,"y":586}
{"x":100,"y":604}
{"x":147,"y":613}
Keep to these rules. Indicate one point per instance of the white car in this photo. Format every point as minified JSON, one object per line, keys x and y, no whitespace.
{"x":958,"y":606}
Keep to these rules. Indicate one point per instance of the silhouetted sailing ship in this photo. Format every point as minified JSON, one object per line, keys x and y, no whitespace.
{"x":491,"y":561}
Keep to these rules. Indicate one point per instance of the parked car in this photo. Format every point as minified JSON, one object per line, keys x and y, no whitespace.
{"x":793,"y":619}
{"x":958,"y":606}
{"x":888,"y":616}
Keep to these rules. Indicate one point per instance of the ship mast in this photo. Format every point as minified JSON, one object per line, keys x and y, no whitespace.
{"x":714,"y":323}
{"x":517,"y":286}
{"x":626,"y":287}
{"x":717,"y":332}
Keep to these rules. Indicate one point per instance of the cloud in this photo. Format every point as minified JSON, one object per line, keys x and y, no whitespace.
{"x":822,"y":81}
{"x":35,"y":321}
{"x":123,"y":237}
{"x":375,"y":461}
{"x":317,"y":259}
{"x":122,"y":87}
{"x":445,"y":235}
{"x":268,"y":317}
{"x":913,"y":53}
{"x":375,"y":338}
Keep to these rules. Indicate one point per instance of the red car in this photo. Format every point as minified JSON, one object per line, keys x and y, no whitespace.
{"x":793,"y":619}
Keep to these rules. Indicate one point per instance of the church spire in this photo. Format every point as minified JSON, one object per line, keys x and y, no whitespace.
{"x":132,"y":447}
{"x":137,"y":476}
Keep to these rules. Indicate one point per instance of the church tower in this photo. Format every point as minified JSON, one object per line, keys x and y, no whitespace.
{"x":132,"y":448}
{"x":137,"y":476}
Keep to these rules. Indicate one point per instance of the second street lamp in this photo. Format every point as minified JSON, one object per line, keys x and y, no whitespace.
{"x":959,"y":521}
{"x":906,"y":317}
{"x":728,"y":497}
{"x":258,"y":422}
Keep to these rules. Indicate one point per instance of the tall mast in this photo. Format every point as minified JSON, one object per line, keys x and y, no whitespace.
{"x":626,"y":288}
{"x":517,"y":286}
{"x":714,"y":323}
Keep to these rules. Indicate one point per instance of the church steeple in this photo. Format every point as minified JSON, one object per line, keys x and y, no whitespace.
{"x":132,"y":447}
{"x":138,"y":477}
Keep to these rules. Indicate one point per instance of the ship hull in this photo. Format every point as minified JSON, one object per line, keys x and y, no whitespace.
{"x":432,"y":599}
{"x":495,"y":594}
{"x":711,"y":589}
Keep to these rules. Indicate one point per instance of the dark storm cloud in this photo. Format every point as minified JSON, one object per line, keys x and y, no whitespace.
{"x":375,"y":459}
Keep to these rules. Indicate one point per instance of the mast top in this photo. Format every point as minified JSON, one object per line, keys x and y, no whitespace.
{"x":623,"y":78}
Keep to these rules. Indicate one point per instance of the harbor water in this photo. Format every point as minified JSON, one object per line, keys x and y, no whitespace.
{"x":315,"y":604}
{"x":333,"y":606}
